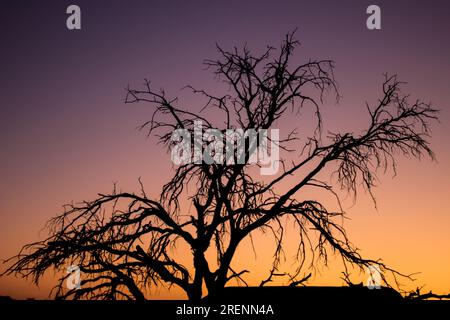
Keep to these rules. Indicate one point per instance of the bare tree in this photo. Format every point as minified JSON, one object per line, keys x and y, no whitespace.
{"x":125,"y":243}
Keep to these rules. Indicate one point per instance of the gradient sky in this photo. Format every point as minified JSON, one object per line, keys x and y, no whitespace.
{"x":67,"y":135}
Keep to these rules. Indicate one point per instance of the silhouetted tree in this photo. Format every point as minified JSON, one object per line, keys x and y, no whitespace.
{"x":125,"y":243}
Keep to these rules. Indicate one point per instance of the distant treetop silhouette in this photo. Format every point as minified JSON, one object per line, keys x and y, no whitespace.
{"x":126,"y":243}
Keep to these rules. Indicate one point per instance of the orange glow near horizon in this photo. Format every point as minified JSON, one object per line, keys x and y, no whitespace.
{"x":408,"y":233}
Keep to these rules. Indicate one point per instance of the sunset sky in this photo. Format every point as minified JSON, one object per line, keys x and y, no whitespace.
{"x":67,"y":134}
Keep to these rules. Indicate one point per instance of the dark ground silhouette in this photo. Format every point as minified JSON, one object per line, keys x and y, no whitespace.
{"x":353,"y":302}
